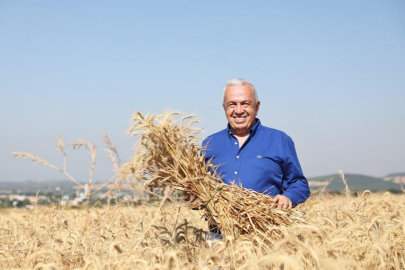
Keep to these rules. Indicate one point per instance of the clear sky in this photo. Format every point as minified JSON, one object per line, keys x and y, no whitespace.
{"x":331,"y":74}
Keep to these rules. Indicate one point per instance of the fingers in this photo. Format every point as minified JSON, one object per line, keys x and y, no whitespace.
{"x":283,"y":205}
{"x":282,"y":202}
{"x":275,"y":200}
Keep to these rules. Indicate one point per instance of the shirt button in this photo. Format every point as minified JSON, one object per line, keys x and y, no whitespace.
{"x":236,"y":172}
{"x":237,"y":156}
{"x":236,"y":143}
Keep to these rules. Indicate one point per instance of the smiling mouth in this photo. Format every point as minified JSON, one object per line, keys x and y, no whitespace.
{"x":240,"y":119}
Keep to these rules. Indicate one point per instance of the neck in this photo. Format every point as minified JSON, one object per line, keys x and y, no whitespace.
{"x":241,"y":138}
{"x":240,"y":135}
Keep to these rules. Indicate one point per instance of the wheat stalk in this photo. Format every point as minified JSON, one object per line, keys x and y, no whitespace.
{"x":38,"y":160}
{"x":342,"y":176}
{"x":168,"y":155}
{"x":112,"y":153}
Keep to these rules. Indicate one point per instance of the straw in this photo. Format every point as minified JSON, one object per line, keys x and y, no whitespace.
{"x":168,"y":156}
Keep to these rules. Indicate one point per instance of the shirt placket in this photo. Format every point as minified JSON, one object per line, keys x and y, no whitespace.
{"x":237,"y":152}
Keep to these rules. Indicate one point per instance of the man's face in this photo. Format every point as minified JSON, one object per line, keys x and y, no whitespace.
{"x":240,"y":108}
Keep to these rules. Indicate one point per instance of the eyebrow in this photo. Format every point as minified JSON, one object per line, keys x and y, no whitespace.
{"x":243,"y":101}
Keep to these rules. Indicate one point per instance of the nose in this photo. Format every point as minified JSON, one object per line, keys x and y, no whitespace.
{"x":238,"y":109}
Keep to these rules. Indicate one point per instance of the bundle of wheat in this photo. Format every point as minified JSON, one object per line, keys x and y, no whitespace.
{"x":168,"y":156}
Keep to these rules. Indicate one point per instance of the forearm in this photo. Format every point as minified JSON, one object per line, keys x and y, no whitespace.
{"x":298,"y":191}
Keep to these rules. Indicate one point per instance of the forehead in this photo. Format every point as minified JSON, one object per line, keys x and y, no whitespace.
{"x":239,"y":93}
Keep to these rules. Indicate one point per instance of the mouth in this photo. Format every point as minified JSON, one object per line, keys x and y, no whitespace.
{"x":239,"y":119}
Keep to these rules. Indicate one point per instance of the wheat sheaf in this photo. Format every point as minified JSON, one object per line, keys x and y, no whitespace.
{"x":168,"y":156}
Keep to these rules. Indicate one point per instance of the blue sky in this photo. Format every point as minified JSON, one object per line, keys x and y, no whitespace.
{"x":331,"y":74}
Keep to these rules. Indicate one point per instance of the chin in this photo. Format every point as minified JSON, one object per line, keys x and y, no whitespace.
{"x":241,"y":129}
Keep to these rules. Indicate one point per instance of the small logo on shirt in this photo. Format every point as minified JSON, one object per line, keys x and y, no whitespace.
{"x":259,"y":156}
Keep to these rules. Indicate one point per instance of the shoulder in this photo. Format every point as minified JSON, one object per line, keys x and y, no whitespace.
{"x":278,"y":141}
{"x":275,"y":138}
{"x":268,"y":131}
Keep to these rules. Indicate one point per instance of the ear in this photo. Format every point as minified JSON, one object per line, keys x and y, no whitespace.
{"x":257,"y":107}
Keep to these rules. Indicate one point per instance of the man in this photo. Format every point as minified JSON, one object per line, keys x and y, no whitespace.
{"x":257,"y":157}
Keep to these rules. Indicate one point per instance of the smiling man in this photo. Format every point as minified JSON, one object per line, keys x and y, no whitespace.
{"x":257,"y":157}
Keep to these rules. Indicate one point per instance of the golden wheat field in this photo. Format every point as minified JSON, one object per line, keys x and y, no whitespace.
{"x":366,"y":231}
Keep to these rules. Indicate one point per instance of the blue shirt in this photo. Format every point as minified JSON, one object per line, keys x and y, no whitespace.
{"x":267,"y":162}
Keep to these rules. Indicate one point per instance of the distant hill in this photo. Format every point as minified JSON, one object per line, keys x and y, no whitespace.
{"x":395,"y":174}
{"x":398,"y":178}
{"x":354,"y":181}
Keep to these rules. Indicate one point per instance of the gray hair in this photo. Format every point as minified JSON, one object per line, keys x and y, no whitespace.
{"x":239,"y":82}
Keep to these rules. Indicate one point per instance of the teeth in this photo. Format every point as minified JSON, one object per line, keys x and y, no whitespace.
{"x":239,"y":119}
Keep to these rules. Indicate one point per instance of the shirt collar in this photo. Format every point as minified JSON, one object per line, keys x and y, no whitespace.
{"x":252,"y":131}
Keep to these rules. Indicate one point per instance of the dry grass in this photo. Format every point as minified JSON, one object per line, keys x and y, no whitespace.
{"x":168,"y":158}
{"x":364,"y":232}
{"x":342,"y":232}
{"x":110,"y":149}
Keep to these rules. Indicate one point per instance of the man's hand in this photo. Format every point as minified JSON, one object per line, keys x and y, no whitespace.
{"x":282,"y":202}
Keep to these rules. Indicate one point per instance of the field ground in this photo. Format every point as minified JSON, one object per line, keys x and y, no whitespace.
{"x":361,"y":232}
